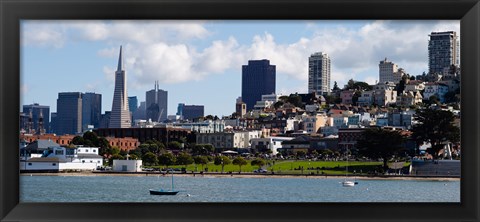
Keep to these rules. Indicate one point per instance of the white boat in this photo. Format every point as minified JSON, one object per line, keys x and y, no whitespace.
{"x":348,"y":183}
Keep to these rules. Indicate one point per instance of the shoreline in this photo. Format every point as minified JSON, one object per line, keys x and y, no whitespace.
{"x":246,"y":175}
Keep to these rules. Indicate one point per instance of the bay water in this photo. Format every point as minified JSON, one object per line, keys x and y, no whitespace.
{"x":235,"y":189}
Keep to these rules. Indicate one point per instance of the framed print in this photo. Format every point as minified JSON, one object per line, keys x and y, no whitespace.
{"x":342,"y":119}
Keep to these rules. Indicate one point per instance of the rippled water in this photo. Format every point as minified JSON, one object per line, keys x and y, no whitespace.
{"x":205,"y":189}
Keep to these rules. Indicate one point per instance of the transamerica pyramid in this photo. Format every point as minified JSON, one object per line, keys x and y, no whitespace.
{"x":120,"y":116}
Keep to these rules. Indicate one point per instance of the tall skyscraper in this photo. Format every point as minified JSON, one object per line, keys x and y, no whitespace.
{"x":258,"y":78}
{"x":91,"y":110}
{"x":443,"y":51}
{"x":38,"y":111}
{"x":69,"y":113}
{"x":132,"y":103}
{"x":386,"y":70}
{"x":156,"y":104}
{"x":319,"y":73}
{"x":140,"y":112}
{"x":120,"y":116}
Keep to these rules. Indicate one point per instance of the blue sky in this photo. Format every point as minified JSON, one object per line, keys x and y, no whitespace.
{"x":199,"y":62}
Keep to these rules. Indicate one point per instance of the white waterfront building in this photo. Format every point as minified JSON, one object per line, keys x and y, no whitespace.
{"x":127,"y":165}
{"x":61,"y":159}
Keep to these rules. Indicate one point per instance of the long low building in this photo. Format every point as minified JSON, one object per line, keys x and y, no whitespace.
{"x":61,"y":159}
{"x":162,"y":134}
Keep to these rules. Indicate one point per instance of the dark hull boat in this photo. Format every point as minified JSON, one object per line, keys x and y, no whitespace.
{"x":163,"y":192}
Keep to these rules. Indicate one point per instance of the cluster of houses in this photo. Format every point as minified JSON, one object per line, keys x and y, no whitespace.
{"x":268,"y":128}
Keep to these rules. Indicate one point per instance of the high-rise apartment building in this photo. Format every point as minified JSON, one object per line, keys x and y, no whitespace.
{"x":258,"y":78}
{"x":386,"y":71}
{"x":156,"y":104}
{"x":91,"y":110}
{"x":120,"y":115}
{"x":319,"y":73}
{"x":69,"y":113}
{"x":443,"y":51}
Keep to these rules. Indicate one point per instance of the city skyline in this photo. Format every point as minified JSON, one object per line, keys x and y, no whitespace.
{"x":196,"y":61}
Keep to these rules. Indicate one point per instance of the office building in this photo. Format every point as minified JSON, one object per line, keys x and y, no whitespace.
{"x":156,"y":104}
{"x":40,"y":118}
{"x":132,"y":106}
{"x":132,"y":103}
{"x":91,"y":110}
{"x":190,"y":112}
{"x":443,"y":51}
{"x":69,"y":113}
{"x":120,"y":116}
{"x":258,"y":78}
{"x":319,"y":73}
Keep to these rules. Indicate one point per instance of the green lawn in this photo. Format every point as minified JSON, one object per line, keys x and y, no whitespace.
{"x":294,"y":167}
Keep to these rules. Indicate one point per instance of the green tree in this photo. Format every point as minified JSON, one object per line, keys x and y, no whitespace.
{"x":103,"y":145}
{"x":295,"y":100}
{"x":355,"y":97}
{"x":92,"y":137}
{"x":335,"y":86}
{"x":433,"y":100}
{"x":202,"y":160}
{"x":451,"y":97}
{"x":184,"y":159}
{"x":174,"y":145}
{"x":379,"y":143}
{"x":258,"y":162}
{"x":133,"y":157}
{"x":221,"y":160}
{"x":240,"y":161}
{"x":278,"y":104}
{"x":350,"y":84}
{"x":78,"y":140}
{"x":123,"y":153}
{"x":150,"y":159}
{"x":209,"y":148}
{"x":300,"y":154}
{"x":435,"y":127}
{"x":401,"y":84}
{"x":166,"y":159}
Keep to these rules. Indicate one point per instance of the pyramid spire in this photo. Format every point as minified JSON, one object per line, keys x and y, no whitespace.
{"x":120,"y":60}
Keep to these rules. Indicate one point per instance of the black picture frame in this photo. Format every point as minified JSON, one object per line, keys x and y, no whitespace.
{"x":12,"y":11}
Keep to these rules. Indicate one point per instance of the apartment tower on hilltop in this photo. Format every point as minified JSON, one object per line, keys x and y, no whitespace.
{"x":319,"y":73}
{"x":443,"y":51}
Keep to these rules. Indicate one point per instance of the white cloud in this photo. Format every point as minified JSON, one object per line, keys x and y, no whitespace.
{"x":165,"y":51}
{"x":42,"y":35}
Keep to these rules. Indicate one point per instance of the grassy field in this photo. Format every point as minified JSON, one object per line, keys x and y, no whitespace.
{"x":294,"y":167}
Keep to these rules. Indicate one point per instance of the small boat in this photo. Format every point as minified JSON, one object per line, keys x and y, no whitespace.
{"x":346,"y":182}
{"x":164,"y":192}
